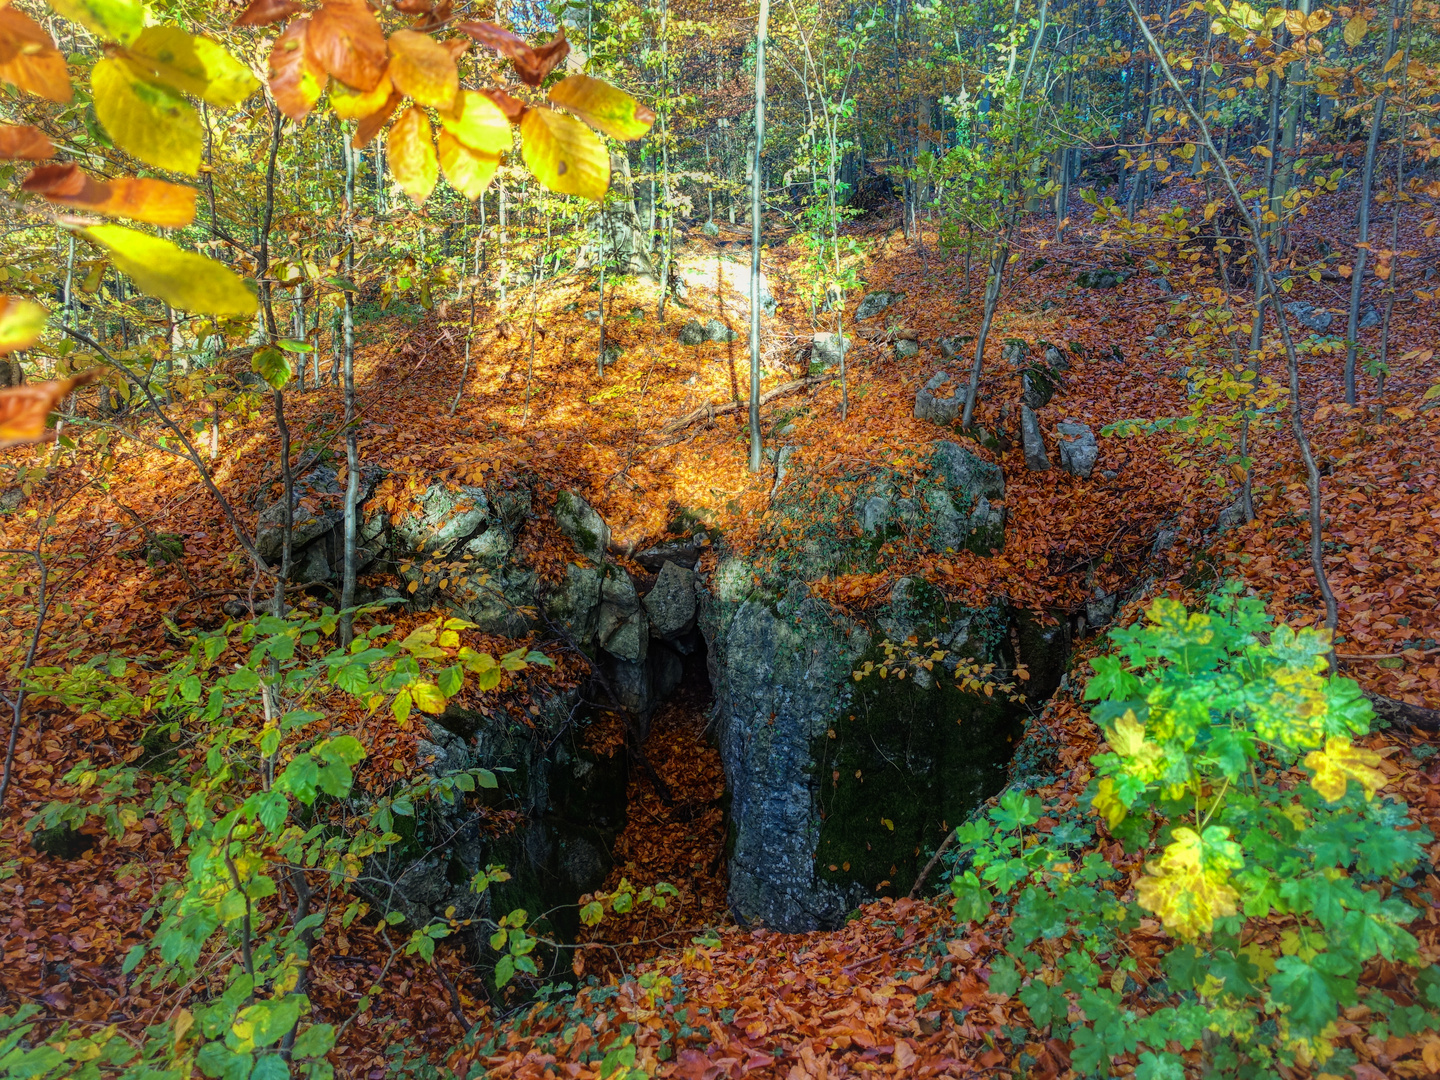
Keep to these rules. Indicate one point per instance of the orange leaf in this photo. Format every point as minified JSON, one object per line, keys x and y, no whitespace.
{"x":423,"y":69}
{"x":29,"y":58}
{"x":296,"y":80}
{"x":368,"y":128}
{"x":511,"y":107}
{"x":24,"y":409}
{"x":153,"y":201}
{"x":348,"y":43}
{"x":265,"y":12}
{"x":24,"y":142}
{"x":411,"y":155}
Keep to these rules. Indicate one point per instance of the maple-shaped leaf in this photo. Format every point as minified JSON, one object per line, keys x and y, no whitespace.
{"x":24,"y":143}
{"x":24,"y":409}
{"x":265,"y":12}
{"x":345,"y":39}
{"x":532,"y":62}
{"x":296,"y":80}
{"x":141,"y":199}
{"x":29,"y":58}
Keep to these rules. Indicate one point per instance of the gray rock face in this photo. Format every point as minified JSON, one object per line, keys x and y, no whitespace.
{"x":1037,"y":386}
{"x":318,"y":508}
{"x":1232,"y":517}
{"x":933,"y":403}
{"x":825,"y":351}
{"x":1100,"y":279}
{"x":622,"y":629}
{"x":1055,"y":358}
{"x":1078,"y":447}
{"x":1015,"y":350}
{"x":905,"y":348}
{"x":1036,"y":459}
{"x":448,"y":516}
{"x":964,"y":511}
{"x":1309,"y":316}
{"x":1369,"y":317}
{"x":873,"y":303}
{"x":710,"y":229}
{"x":695,"y":332}
{"x":955,"y":345}
{"x":835,"y":783}
{"x":670,"y":603}
{"x":582,"y":526}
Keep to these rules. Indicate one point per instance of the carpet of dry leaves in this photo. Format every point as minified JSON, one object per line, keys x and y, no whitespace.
{"x":899,"y":991}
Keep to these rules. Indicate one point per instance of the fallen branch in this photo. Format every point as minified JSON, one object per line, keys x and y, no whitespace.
{"x":707,"y":412}
{"x":1404,"y":715}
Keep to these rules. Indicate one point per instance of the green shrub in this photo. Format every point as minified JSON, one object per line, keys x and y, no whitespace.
{"x":1232,"y":763}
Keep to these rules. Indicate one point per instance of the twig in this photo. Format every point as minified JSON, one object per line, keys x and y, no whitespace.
{"x":707,"y":412}
{"x":929,"y":866}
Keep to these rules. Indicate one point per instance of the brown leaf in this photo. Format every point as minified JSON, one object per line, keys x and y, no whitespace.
{"x":265,"y":12}
{"x":153,"y":201}
{"x":29,"y":58}
{"x":532,"y":62}
{"x":367,"y":129}
{"x":24,"y":409}
{"x":296,"y":80}
{"x":348,"y":43}
{"x":415,"y":7}
{"x":511,"y":107}
{"x":458,"y":46}
{"x":25,"y":143}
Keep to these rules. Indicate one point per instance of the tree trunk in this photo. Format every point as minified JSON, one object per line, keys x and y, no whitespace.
{"x":756,"y":214}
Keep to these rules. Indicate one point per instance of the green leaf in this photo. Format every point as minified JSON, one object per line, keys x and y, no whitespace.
{"x":181,"y":278}
{"x":591,"y":914}
{"x":1305,"y":992}
{"x":272,"y":365}
{"x":112,"y":20}
{"x":271,"y":1067}
{"x":972,"y":898}
{"x":344,"y":748}
{"x":149,"y":121}
{"x":133,"y":957}
{"x":291,"y":345}
{"x":451,"y":680}
{"x":401,"y":707}
{"x":191,"y":65}
{"x":504,"y":970}
{"x":1004,"y":978}
{"x":266,"y":1022}
{"x":335,"y":779}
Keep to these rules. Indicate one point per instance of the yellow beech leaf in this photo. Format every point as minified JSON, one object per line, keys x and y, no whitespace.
{"x":478,"y":123}
{"x":412,"y":155}
{"x":180,"y":278}
{"x":1188,"y":886}
{"x":564,"y":154}
{"x":191,"y":65}
{"x":428,"y":697}
{"x":604,"y":107}
{"x":152,"y":123}
{"x":1394,"y":61}
{"x":20,"y":323}
{"x":468,"y":171}
{"x":1341,"y":762}
{"x":1107,"y":803}
{"x":1355,"y":30}
{"x":423,"y":69}
{"x":351,"y":104}
{"x":112,"y":20}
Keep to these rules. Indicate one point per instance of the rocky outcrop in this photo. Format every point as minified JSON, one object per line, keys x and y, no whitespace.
{"x":695,"y":332}
{"x":1078,"y":448}
{"x":841,"y":785}
{"x":825,"y":351}
{"x":941,"y":399}
{"x":873,"y":303}
{"x":1036,"y":460}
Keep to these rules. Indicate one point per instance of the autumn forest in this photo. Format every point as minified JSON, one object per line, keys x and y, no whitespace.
{"x":796,"y":539}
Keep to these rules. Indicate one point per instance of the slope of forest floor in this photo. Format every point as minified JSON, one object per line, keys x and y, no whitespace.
{"x":900,"y":990}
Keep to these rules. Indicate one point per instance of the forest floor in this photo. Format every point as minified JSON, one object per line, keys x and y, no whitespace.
{"x":900,"y":990}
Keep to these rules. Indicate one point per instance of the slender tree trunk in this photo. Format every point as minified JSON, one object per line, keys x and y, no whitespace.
{"x":998,"y":258}
{"x":277,"y":397}
{"x":1357,"y":275}
{"x":349,"y":557}
{"x":756,"y":212}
